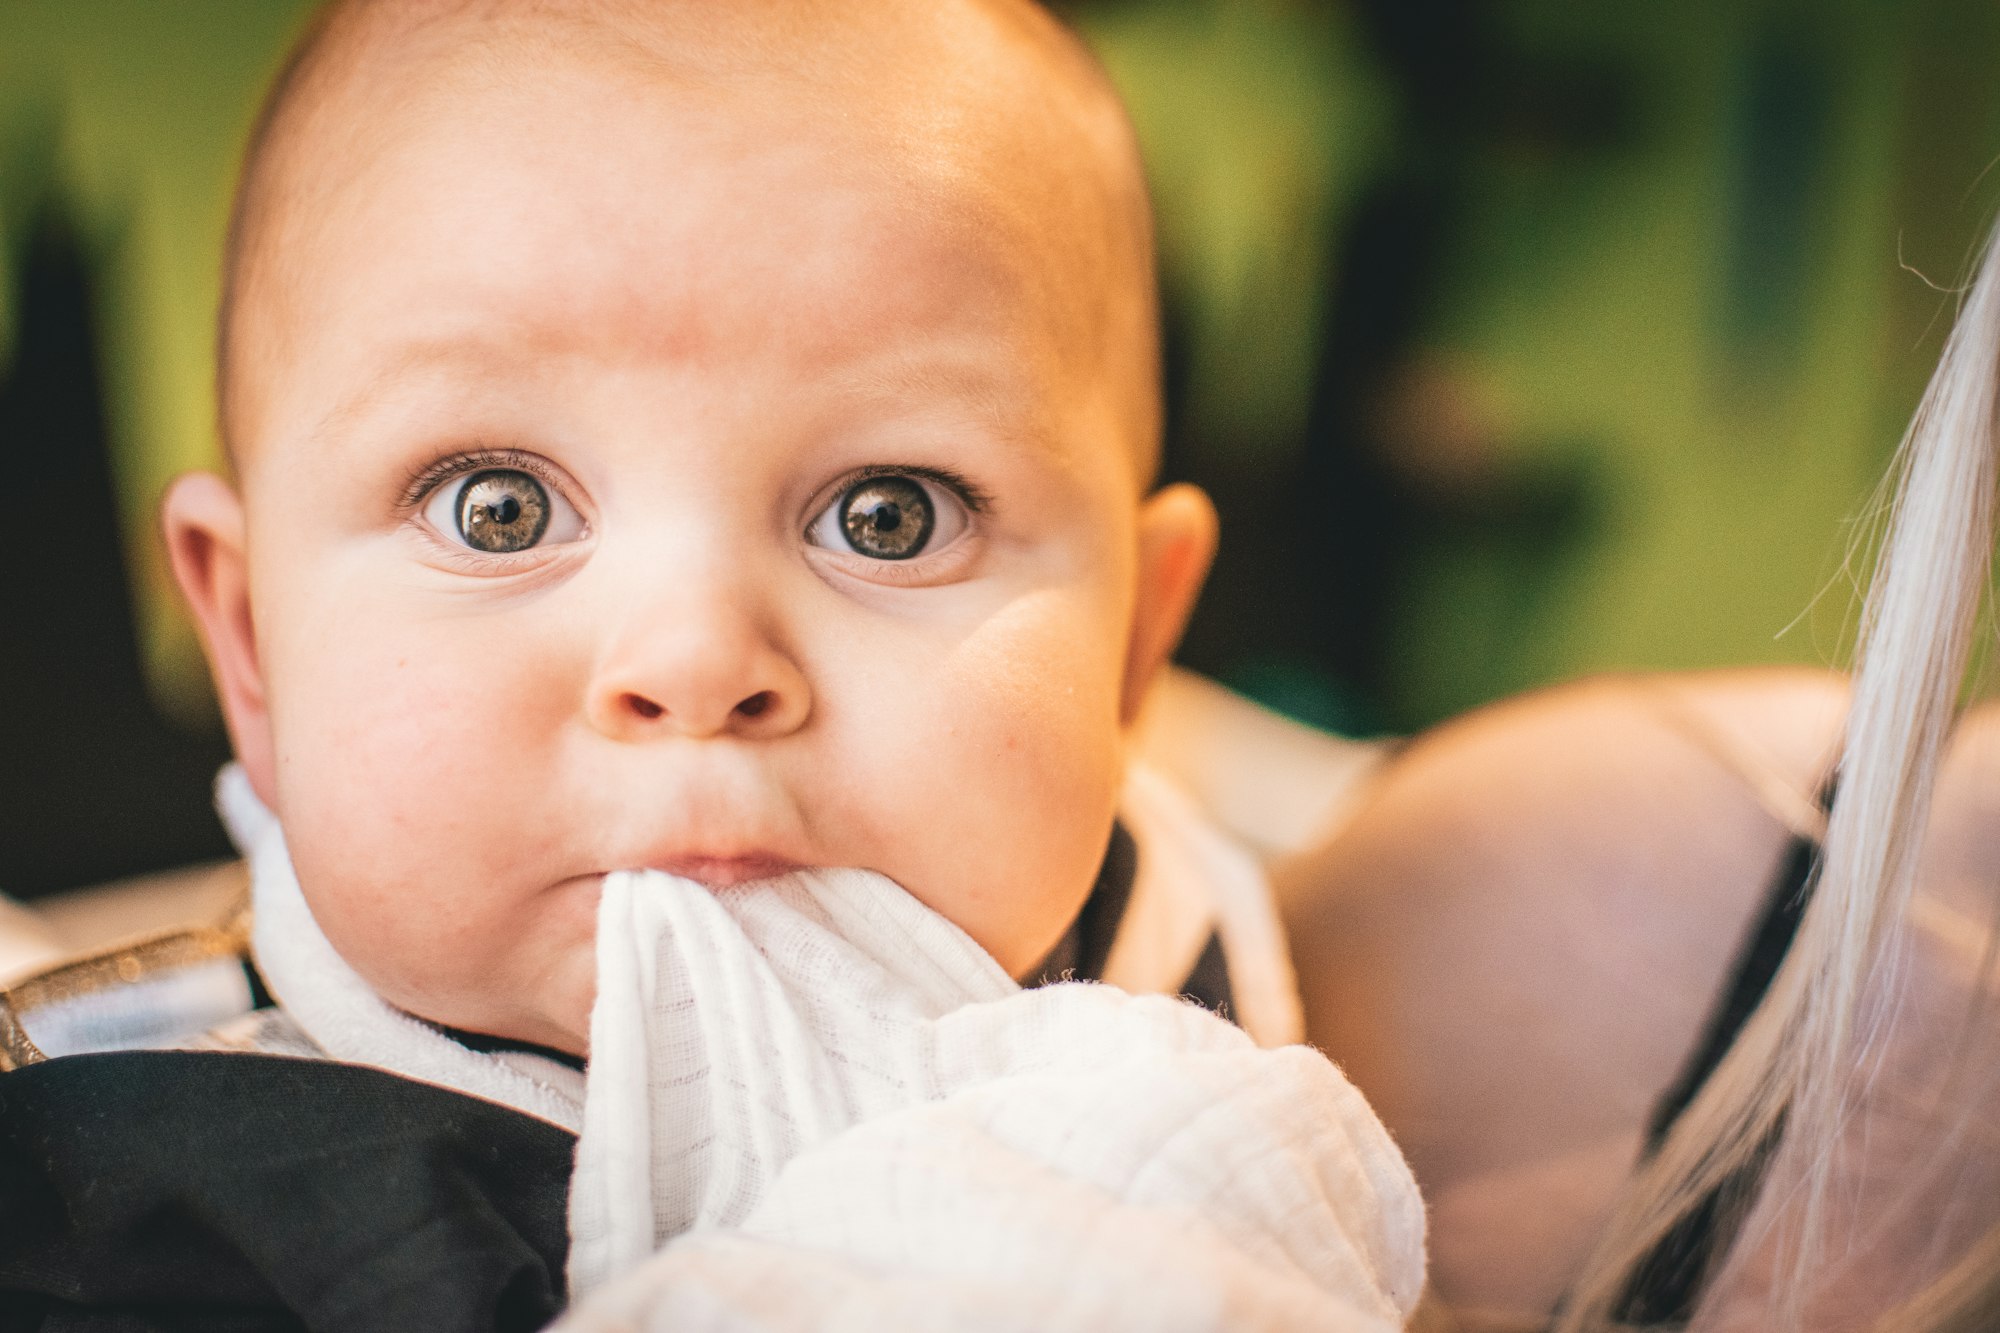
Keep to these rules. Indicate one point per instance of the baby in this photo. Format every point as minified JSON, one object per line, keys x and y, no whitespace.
{"x":703,"y":438}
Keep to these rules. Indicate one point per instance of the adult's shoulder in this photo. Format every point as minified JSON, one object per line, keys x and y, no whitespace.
{"x":1497,"y":780}
{"x":1513,"y":943}
{"x":159,"y":1187}
{"x":1590,"y":816}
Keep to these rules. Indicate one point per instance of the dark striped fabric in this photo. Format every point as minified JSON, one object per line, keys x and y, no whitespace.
{"x":1668,"y":1284}
{"x":1082,"y":952}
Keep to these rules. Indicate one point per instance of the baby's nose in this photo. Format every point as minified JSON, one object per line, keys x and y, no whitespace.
{"x":721,"y":676}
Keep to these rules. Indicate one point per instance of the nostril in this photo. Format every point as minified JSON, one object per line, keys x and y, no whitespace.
{"x":643,"y":706}
{"x":756,"y":705}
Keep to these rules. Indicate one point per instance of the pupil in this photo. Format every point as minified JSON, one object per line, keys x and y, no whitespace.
{"x":507,"y":510}
{"x":887,"y":518}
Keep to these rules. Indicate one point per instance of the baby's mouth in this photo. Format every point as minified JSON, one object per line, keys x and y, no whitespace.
{"x":722,"y":872}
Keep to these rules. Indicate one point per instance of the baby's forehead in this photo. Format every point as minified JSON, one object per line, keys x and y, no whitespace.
{"x":984,"y":115}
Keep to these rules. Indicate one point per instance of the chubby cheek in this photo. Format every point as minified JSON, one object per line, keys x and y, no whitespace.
{"x":411,"y":780}
{"x":990,"y":780}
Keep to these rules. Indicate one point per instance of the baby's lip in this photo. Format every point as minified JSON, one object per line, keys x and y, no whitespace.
{"x":721,"y":872}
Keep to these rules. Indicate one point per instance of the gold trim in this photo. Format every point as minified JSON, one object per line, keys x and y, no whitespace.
{"x":15,"y":1048}
{"x":123,"y":965}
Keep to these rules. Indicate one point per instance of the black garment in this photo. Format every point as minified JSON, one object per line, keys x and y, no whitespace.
{"x":214,"y":1192}
{"x":222,"y":1192}
{"x":1086,"y":947}
{"x":1668,"y":1284}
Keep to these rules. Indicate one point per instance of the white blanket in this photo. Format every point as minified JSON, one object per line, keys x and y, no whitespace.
{"x":817,"y":1105}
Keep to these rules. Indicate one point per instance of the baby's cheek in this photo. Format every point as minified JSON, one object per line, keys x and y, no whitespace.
{"x":418,"y":724}
{"x":411,"y":772}
{"x":1014,"y":770}
{"x":1042,"y":693}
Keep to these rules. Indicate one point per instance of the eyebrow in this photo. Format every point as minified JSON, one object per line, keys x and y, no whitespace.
{"x":1022,"y":416}
{"x":483,"y":357}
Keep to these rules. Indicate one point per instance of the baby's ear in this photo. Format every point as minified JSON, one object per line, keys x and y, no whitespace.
{"x":1177,"y":529}
{"x":202,"y":521}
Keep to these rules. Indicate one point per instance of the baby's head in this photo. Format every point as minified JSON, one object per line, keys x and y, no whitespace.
{"x":704,"y":436}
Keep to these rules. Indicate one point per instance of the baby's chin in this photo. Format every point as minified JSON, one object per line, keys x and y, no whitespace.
{"x":549,"y":1010}
{"x":735,"y":875}
{"x":558,"y":1021}
{"x":549,"y":1005}
{"x":552,"y":1009}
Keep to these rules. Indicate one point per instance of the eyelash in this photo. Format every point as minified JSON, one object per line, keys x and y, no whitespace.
{"x":975,"y":500}
{"x":424,"y":480}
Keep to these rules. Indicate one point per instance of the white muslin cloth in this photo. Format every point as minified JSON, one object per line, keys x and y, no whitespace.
{"x":815,"y":1104}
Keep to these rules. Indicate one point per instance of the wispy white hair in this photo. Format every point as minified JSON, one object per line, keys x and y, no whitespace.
{"x":1793,"y":1068}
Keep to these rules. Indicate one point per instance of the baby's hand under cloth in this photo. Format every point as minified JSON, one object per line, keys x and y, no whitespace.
{"x":815,"y":1104}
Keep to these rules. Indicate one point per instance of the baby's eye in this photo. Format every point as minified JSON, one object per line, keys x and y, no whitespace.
{"x":894,"y":516}
{"x":498,"y":511}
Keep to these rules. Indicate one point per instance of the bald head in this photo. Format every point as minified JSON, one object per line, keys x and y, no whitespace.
{"x":987,"y":112}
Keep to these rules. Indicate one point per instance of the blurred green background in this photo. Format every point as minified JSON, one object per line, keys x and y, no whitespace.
{"x":1516,"y":339}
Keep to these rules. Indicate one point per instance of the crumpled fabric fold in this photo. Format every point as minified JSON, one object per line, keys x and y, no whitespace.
{"x":813,"y":1103}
